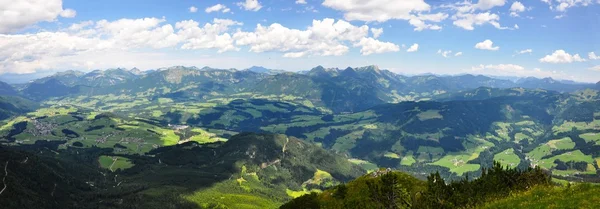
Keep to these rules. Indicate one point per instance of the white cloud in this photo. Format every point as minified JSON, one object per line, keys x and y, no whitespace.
{"x":376,"y":32}
{"x":488,"y":4}
{"x":525,"y":51}
{"x":250,"y":5}
{"x":384,"y":10}
{"x":487,"y":45}
{"x":467,"y":21}
{"x":377,"y":10}
{"x":501,"y":67}
{"x":68,"y":13}
{"x":563,"y":5}
{"x":372,"y":46}
{"x":193,"y":9}
{"x":448,"y":53}
{"x":413,"y":48}
{"x":300,"y":1}
{"x":210,"y":36}
{"x":593,"y":56}
{"x":469,"y":15}
{"x":323,"y":38}
{"x":16,"y":15}
{"x":516,"y":8}
{"x":93,"y":41}
{"x":513,"y":70}
{"x":560,"y":56}
{"x":596,"y":68}
{"x":444,"y":53}
{"x":217,"y":8}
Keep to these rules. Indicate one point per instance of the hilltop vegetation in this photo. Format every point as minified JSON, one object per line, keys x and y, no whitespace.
{"x":389,"y":189}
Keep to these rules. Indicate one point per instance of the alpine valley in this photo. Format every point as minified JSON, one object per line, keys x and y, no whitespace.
{"x":187,"y":137}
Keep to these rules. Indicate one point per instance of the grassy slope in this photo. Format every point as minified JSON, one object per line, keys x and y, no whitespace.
{"x":580,"y":196}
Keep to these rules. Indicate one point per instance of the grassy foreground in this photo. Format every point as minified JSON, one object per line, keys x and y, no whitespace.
{"x":579,"y":196}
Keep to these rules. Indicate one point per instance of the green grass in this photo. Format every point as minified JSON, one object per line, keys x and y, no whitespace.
{"x":546,"y":149}
{"x":578,"y":196}
{"x":232,"y":195}
{"x":508,"y":158}
{"x":521,"y":136}
{"x":457,"y":163}
{"x":391,"y":155}
{"x":108,"y":162}
{"x":368,"y":166}
{"x":408,"y":160}
{"x":430,"y":114}
{"x":591,"y":137}
{"x":576,"y":156}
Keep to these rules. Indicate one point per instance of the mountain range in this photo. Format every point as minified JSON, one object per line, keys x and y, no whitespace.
{"x":188,"y":137}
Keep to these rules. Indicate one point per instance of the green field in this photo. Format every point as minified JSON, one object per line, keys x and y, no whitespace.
{"x":457,"y":164}
{"x":408,"y":160}
{"x":546,"y":149}
{"x":368,"y":166}
{"x":113,"y":163}
{"x":575,"y":156}
{"x":591,"y":137}
{"x":508,"y":158}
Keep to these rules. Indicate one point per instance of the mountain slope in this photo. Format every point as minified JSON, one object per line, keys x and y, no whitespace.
{"x":7,"y":89}
{"x":12,"y":105}
{"x":248,"y":171}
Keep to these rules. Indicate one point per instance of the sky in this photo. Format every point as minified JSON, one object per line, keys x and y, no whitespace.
{"x":540,"y":38}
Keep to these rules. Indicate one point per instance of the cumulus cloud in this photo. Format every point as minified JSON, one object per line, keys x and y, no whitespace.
{"x":447,"y":53}
{"x":384,"y":10}
{"x":413,"y":48}
{"x":250,"y":5}
{"x":593,"y":56}
{"x":96,"y":43}
{"x":193,"y":9}
{"x":217,"y":8}
{"x":596,"y":68}
{"x":16,"y":15}
{"x":458,"y":54}
{"x":26,"y":53}
{"x":488,"y":4}
{"x":469,"y":15}
{"x":300,"y":1}
{"x":560,"y":56}
{"x":487,"y":45}
{"x":325,"y":37}
{"x":68,"y":13}
{"x":210,"y":36}
{"x":563,"y":5}
{"x":468,"y":20}
{"x":372,"y":46}
{"x":376,"y":32}
{"x":419,"y":21}
{"x":516,"y":8}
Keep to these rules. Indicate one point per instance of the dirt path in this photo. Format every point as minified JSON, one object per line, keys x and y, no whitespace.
{"x":111,"y":165}
{"x":4,"y":179}
{"x":287,"y":140}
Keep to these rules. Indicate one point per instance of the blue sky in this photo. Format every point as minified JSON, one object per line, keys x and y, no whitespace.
{"x":541,"y":38}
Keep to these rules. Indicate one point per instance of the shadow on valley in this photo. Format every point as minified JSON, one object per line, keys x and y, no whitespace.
{"x":168,"y":177}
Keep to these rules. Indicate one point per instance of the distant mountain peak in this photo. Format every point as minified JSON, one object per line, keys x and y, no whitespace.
{"x":69,"y":72}
{"x":320,"y":71}
{"x":135,"y":71}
